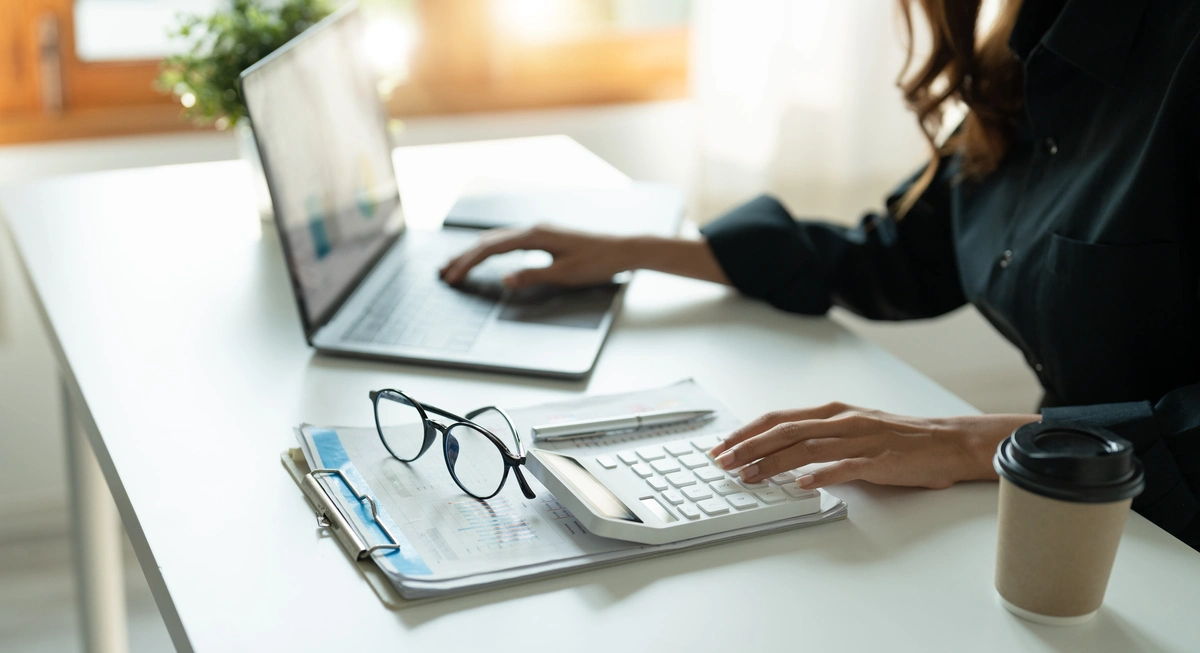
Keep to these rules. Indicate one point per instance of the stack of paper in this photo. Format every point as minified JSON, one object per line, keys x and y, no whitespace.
{"x":454,"y":543}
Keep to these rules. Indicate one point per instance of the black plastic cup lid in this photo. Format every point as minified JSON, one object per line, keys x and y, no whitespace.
{"x":1070,"y":463}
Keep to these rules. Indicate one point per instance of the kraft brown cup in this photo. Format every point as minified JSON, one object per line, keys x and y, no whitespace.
{"x":1064,"y":496}
{"x":1053,"y":558}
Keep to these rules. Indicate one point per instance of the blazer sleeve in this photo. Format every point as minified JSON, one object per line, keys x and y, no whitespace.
{"x":884,"y":269}
{"x":1166,"y":438}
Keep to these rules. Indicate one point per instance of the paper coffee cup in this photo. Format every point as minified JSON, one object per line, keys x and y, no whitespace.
{"x":1064,"y":496}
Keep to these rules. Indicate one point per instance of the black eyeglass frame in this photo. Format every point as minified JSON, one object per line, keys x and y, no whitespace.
{"x":512,"y":461}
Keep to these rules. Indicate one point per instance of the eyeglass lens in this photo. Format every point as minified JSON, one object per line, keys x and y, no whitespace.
{"x":475,"y":460}
{"x":400,"y":425}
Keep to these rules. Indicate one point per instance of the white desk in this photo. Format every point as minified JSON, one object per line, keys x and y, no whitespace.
{"x":180,"y":344}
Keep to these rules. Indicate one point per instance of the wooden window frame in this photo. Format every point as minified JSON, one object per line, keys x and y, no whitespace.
{"x":98,"y":98}
{"x":464,"y":64}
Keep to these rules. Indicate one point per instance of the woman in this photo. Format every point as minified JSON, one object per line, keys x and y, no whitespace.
{"x":1065,"y":207}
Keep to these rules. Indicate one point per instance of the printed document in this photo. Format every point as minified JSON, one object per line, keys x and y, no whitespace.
{"x":452,"y":542}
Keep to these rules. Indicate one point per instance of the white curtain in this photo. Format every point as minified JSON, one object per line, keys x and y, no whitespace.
{"x":798,"y":98}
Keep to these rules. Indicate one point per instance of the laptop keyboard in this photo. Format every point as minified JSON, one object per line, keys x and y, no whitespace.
{"x":416,"y":309}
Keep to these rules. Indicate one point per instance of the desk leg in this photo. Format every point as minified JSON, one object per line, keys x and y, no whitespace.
{"x":97,"y":544}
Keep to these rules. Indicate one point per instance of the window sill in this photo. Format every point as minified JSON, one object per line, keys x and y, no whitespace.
{"x":93,"y":123}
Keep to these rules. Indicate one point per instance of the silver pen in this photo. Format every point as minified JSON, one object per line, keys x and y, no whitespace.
{"x":605,"y":426}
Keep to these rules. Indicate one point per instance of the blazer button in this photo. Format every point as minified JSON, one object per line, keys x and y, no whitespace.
{"x":1037,"y":367}
{"x":1051,"y":146}
{"x":1006,"y":258}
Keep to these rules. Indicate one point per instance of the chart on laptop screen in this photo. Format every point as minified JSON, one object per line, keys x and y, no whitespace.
{"x":320,"y":127}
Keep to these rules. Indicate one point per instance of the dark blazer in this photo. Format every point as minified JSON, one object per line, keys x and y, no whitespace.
{"x":1083,"y":248}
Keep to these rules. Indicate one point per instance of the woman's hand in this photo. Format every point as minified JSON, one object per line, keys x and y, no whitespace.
{"x":579,"y":259}
{"x":869,"y":445}
{"x":582,"y":259}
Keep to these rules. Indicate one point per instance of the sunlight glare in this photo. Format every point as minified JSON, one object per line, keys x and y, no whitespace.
{"x":388,"y":44}
{"x":531,"y":18}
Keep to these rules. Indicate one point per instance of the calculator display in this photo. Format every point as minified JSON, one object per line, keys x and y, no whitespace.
{"x":657,"y":508}
{"x":586,"y":487}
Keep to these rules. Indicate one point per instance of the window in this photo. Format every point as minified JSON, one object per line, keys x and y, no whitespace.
{"x":480,"y":55}
{"x":48,"y":91}
{"x":77,"y":68}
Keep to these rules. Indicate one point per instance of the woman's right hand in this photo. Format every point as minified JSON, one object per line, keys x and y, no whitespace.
{"x":580,"y":259}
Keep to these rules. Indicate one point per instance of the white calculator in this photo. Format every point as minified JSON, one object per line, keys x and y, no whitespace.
{"x":663,"y":493}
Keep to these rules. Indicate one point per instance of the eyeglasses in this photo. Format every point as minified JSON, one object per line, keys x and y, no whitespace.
{"x":479,"y":449}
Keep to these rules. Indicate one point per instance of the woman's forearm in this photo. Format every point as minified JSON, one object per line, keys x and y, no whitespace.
{"x":686,"y":258}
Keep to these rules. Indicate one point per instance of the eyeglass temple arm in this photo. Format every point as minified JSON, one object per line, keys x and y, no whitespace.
{"x":444,"y":413}
{"x":374,"y":394}
{"x":512,"y":427}
{"x":525,"y":489}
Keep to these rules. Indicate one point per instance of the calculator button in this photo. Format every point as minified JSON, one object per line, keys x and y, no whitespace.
{"x":673,"y":497}
{"x":606,"y":462}
{"x":713,"y":507}
{"x":698,"y":492}
{"x":705,"y":443}
{"x":681,"y":479}
{"x":657,"y":483}
{"x":724,"y":487}
{"x":642,"y":470}
{"x":650,"y":453}
{"x":690,"y":512}
{"x":694,"y":460}
{"x":678,"y":448}
{"x":798,"y":492}
{"x":753,"y":486}
{"x":784,"y":478}
{"x":628,"y":457}
{"x":741,"y":501}
{"x":772,"y":495}
{"x":708,"y":474}
{"x":665,"y":466}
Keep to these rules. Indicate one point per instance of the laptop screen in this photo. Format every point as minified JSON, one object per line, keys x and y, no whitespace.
{"x":322,"y":135}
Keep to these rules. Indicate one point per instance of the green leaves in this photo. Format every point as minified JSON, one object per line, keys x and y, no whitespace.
{"x":221,"y":46}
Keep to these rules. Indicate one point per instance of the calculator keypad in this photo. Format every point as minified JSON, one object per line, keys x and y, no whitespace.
{"x":682,"y":476}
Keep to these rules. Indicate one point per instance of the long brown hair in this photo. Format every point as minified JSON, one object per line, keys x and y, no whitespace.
{"x":983,"y":75}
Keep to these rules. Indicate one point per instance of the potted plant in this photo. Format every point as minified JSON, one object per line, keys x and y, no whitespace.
{"x":219,"y":47}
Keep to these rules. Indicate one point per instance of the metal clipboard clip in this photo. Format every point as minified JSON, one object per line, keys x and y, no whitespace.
{"x":330,"y":515}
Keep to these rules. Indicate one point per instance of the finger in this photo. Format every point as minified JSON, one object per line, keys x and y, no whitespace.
{"x":775,"y":418}
{"x":788,"y":434}
{"x":534,"y":276}
{"x":458,"y":268}
{"x":816,"y":450}
{"x":844,"y":470}
{"x":762,"y":423}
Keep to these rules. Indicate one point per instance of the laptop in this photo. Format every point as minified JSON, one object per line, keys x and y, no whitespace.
{"x":366,"y":286}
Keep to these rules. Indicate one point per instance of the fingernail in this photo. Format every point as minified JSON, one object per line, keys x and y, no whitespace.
{"x":805,"y":481}
{"x":725,"y":460}
{"x":749,"y":472}
{"x":714,"y":452}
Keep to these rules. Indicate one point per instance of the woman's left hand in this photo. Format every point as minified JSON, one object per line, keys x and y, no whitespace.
{"x":869,"y":445}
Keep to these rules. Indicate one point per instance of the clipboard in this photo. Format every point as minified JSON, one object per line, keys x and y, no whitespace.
{"x":397,"y":544}
{"x":339,"y":526}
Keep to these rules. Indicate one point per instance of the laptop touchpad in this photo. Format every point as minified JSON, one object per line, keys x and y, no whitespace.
{"x":583,"y":308}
